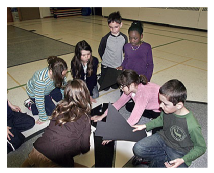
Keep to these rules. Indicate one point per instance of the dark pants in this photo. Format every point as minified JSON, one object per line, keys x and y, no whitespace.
{"x":104,"y":70}
{"x":103,"y":73}
{"x":49,"y":104}
{"x":19,"y":122}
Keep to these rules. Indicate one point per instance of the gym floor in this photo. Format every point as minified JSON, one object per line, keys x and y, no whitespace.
{"x":178,"y":53}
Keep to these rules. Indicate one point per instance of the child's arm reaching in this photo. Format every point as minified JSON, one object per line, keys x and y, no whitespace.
{"x":139,"y":127}
{"x":98,"y":118}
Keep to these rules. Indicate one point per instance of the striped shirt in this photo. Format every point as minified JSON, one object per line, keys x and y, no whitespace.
{"x":38,"y":87}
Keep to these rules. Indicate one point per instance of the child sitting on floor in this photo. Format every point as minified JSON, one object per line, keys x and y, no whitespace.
{"x":84,"y":66}
{"x":181,"y":141}
{"x":17,"y":122}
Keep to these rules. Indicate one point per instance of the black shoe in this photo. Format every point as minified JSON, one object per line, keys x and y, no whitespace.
{"x":115,"y":86}
{"x":137,"y":161}
{"x":106,"y":89}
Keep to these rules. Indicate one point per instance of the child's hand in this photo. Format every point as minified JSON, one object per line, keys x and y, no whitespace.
{"x":96,"y":118}
{"x":119,"y":68}
{"x":138,"y":127}
{"x":9,"y":133}
{"x":106,"y":142}
{"x":174,"y":163}
{"x":39,"y":122}
{"x":15,"y":108}
{"x":93,"y":100}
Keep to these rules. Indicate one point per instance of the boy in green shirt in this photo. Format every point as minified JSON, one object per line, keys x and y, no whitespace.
{"x":180,"y":141}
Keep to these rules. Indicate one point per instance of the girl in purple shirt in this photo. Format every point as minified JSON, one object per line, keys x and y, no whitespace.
{"x":138,"y":54}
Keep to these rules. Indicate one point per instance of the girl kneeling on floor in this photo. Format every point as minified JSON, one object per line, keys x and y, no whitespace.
{"x":84,"y":66}
{"x":45,"y":85}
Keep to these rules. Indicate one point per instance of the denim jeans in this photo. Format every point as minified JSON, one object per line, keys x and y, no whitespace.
{"x":154,"y":149}
{"x":95,"y":92}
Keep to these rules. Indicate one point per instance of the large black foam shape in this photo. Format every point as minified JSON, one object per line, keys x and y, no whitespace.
{"x":117,"y":128}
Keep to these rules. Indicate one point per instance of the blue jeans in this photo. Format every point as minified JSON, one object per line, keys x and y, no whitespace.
{"x":154,"y":149}
{"x":95,"y":92}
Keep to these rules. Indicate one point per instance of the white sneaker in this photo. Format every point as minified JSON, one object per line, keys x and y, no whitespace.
{"x":28,"y":103}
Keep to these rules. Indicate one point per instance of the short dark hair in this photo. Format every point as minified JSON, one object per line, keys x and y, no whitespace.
{"x":136,"y":26}
{"x":115,"y":17}
{"x":174,"y":91}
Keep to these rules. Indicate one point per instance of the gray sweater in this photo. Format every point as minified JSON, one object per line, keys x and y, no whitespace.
{"x":111,"y":49}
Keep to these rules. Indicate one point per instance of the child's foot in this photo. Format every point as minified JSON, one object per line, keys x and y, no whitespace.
{"x":106,"y":89}
{"x":137,"y":161}
{"x":28,"y":103}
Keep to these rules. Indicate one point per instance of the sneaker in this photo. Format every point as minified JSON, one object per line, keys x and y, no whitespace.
{"x":137,"y":161}
{"x":28,"y":103}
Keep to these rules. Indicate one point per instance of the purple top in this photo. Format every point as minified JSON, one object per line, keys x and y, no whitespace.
{"x":140,"y":59}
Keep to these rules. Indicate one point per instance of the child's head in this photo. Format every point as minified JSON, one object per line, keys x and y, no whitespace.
{"x":58,"y":68}
{"x":172,"y":95}
{"x":129,"y":79}
{"x":135,"y":33}
{"x":83,"y":51}
{"x":115,"y":22}
{"x":83,"y":55}
{"x":76,"y":102}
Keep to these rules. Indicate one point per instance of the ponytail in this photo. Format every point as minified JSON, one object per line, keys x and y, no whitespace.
{"x":143,"y":79}
{"x":136,"y":26}
{"x":57,"y":65}
{"x":130,"y":76}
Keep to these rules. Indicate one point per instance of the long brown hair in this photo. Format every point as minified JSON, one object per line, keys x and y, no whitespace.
{"x":75,"y":104}
{"x":76,"y":61}
{"x":57,"y":65}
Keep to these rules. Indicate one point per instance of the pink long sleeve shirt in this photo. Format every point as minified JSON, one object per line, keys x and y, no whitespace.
{"x":146,"y":97}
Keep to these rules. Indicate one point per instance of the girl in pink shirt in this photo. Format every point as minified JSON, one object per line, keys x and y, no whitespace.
{"x":143,"y":93}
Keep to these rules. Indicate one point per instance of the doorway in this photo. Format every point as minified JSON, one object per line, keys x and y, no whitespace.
{"x":97,"y":11}
{"x":28,"y":13}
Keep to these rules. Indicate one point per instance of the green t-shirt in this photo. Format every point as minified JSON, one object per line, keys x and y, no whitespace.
{"x":183,"y":133}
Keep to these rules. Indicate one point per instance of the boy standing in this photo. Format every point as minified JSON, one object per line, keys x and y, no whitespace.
{"x":111,"y":45}
{"x":181,"y":141}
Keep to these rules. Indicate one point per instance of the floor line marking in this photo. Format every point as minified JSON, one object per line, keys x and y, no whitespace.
{"x":16,"y":81}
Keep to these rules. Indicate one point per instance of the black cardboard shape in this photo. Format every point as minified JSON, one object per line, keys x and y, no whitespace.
{"x":117,"y":128}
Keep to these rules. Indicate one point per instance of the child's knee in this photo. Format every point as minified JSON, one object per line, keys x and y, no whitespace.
{"x":136,"y":148}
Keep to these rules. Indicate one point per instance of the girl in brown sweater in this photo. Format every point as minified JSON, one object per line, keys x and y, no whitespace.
{"x":68,"y":133}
